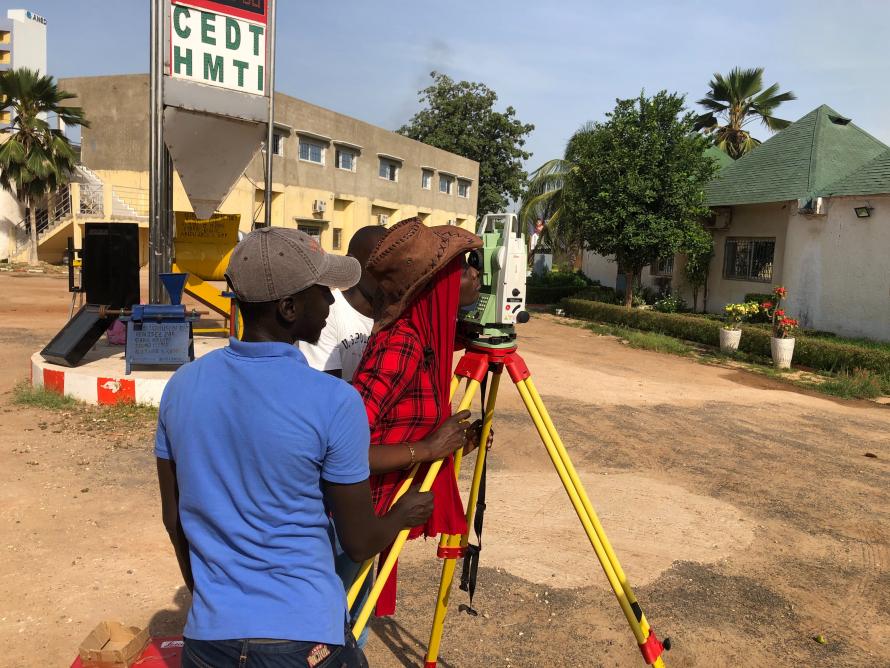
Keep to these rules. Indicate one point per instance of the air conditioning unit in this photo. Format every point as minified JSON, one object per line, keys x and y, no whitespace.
{"x":720,"y":219}
{"x":382,"y":219}
{"x":813,"y":206}
{"x":319,"y":206}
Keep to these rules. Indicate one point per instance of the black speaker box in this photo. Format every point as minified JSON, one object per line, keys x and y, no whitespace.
{"x":76,"y":338}
{"x":110,"y":272}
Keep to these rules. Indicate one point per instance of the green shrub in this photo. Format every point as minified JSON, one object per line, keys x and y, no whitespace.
{"x":670,"y":304}
{"x":562,"y":279}
{"x":549,"y":295}
{"x":758,"y":298}
{"x":822,"y":354}
{"x":600,"y":293}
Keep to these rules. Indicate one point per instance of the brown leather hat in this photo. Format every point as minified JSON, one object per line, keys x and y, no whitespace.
{"x":407,"y":258}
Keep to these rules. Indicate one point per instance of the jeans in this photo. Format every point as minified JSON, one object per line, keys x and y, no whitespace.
{"x":347,"y":570}
{"x":272,"y":654}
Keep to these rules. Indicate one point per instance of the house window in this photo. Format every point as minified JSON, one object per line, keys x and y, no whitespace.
{"x":346,"y":159}
{"x":749,"y":259}
{"x":311,"y":151}
{"x":313,"y":231}
{"x":389,"y":169}
{"x":463,"y":189}
{"x":426,"y":180}
{"x":664,"y":267}
{"x":277,"y":144}
{"x":338,"y":238}
{"x":445,"y":184}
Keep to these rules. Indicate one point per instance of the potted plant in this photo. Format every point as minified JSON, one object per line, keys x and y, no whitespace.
{"x":782,"y":342}
{"x":731,"y":332}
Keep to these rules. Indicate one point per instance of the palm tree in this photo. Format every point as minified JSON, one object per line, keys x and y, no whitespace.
{"x":35,"y":160}
{"x":734,"y":101}
{"x":543,"y":196}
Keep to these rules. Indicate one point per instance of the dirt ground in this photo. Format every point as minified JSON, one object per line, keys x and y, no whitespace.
{"x":744,"y":511}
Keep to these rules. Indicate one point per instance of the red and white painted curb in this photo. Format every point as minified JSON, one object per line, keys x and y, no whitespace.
{"x":88,"y":387}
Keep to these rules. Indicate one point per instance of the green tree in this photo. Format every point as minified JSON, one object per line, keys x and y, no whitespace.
{"x":460,"y":117}
{"x":35,"y":160}
{"x":699,"y":253}
{"x":638,"y":188}
{"x":733,"y":102}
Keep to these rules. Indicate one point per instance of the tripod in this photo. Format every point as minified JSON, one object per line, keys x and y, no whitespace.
{"x":480,"y":359}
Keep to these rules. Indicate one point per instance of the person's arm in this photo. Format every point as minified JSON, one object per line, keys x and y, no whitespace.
{"x":387,"y":369}
{"x":362,"y":534}
{"x":170,"y":515}
{"x":344,"y":475}
{"x":451,"y":435}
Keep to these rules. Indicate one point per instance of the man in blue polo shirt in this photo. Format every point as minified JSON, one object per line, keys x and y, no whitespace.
{"x":253,"y":449}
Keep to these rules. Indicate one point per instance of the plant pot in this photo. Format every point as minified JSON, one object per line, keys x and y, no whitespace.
{"x":729,"y":339}
{"x":783,"y":351}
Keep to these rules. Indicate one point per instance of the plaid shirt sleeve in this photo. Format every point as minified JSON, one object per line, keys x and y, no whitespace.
{"x":387,"y":371}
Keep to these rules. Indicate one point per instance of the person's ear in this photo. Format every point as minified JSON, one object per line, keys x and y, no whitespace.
{"x":290,"y":309}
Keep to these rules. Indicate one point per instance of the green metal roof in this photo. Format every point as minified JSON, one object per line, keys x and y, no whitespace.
{"x":873,"y":178}
{"x":821,"y":148}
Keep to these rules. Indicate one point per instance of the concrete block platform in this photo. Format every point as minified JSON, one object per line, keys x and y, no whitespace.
{"x":100,"y":378}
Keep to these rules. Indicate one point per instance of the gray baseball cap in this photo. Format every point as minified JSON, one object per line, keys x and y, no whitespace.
{"x":275,"y":262}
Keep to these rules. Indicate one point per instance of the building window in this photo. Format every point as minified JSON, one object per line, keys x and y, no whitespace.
{"x":311,"y":151}
{"x":389,"y":169}
{"x":338,"y":238}
{"x":664,"y":267}
{"x":426,"y":180}
{"x":346,"y":159}
{"x":277,"y":144}
{"x":445,"y":184}
{"x":313,"y":231}
{"x":749,"y":259}
{"x":463,"y":189}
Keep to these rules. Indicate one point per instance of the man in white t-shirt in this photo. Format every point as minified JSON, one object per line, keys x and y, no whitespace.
{"x":343,"y":339}
{"x":338,"y":352}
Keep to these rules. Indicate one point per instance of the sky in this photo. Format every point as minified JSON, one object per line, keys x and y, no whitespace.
{"x":558,"y":63}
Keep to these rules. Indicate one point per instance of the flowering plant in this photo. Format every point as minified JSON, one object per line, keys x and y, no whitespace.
{"x":736,"y":314}
{"x":783,"y":326}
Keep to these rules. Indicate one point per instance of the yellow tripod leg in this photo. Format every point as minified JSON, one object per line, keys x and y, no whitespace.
{"x":399,"y":543}
{"x":585,"y":517}
{"x":363,"y":572}
{"x":454,"y":542}
{"x":588,"y":506}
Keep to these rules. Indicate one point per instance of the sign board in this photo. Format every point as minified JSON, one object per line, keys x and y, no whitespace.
{"x":220,"y":43}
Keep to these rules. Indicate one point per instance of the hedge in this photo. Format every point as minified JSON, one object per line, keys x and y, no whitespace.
{"x":549,"y":295}
{"x":822,"y":354}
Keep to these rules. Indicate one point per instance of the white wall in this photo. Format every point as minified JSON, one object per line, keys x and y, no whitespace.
{"x":752,"y":221}
{"x":604,"y":269}
{"x":10,"y":214}
{"x":28,"y":41}
{"x":600,"y":268}
{"x":837,"y":268}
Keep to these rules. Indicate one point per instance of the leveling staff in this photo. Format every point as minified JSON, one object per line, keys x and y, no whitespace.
{"x":252,"y":447}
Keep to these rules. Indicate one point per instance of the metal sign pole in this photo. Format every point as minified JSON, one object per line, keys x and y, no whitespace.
{"x":270,"y":134}
{"x":160,"y":170}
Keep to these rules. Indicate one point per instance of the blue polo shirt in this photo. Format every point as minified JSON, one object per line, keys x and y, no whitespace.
{"x":253,"y":432}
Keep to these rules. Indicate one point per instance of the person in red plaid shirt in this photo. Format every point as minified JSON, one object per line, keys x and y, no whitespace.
{"x":404,"y":377}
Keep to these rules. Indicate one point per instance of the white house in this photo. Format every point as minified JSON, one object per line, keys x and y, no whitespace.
{"x":808,"y":209}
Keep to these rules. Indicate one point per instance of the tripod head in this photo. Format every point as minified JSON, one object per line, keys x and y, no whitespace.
{"x":502,"y":265}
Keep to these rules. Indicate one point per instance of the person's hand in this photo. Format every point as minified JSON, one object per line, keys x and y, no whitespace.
{"x":450,"y":436}
{"x":414,"y":508}
{"x":474,"y":435}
